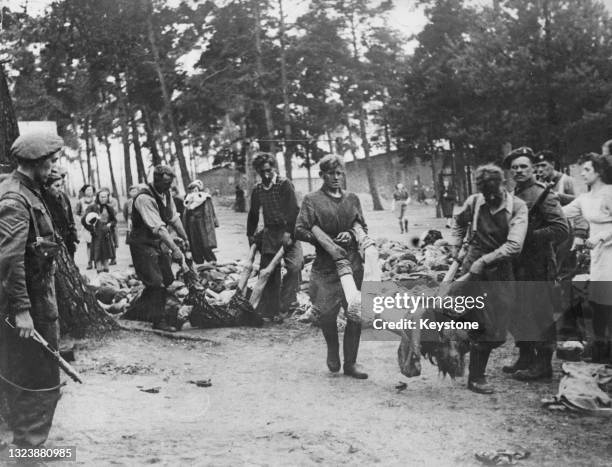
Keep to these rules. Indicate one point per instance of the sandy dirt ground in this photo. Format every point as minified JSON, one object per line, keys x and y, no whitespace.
{"x":273,"y":402}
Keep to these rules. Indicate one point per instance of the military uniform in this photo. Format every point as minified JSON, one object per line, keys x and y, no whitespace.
{"x":533,"y":325}
{"x":28,"y":244}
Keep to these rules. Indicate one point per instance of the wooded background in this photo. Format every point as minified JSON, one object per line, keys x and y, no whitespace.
{"x":476,"y":78}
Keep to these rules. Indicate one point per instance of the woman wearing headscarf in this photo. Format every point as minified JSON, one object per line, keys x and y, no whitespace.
{"x":99,"y":220}
{"x":61,"y":212}
{"x":595,"y":206}
{"x":200,"y":222}
{"x":86,"y":199}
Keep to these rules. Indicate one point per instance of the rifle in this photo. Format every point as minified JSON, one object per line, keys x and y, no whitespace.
{"x":540,"y":200}
{"x":63,"y":364}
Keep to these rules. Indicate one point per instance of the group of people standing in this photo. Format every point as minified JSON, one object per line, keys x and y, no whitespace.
{"x":513,"y":242}
{"x":401,"y":199}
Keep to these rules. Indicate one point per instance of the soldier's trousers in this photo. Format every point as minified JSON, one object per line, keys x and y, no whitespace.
{"x":25,"y":363}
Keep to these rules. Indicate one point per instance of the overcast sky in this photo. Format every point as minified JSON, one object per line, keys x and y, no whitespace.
{"x":406,"y":17}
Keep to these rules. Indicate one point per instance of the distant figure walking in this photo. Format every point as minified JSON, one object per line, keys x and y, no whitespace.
{"x":240,"y":204}
{"x":401,"y":198}
{"x":447,"y":201}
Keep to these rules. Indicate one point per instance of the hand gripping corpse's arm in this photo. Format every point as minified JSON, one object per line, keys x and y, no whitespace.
{"x":338,"y":254}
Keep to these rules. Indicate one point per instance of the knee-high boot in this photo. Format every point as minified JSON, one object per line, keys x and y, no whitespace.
{"x":477,"y":382}
{"x":352,"y":334}
{"x":330,"y":332}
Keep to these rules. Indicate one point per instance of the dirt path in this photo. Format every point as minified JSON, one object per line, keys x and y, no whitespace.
{"x":273,"y":402}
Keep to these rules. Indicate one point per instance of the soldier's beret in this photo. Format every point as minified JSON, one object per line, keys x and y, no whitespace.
{"x":545,"y":156}
{"x":34,"y":146}
{"x":523,"y":151}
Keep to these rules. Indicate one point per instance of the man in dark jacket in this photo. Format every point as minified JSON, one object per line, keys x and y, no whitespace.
{"x":152,"y":247}
{"x":276,"y":198}
{"x":28,"y":246}
{"x":533,"y":326}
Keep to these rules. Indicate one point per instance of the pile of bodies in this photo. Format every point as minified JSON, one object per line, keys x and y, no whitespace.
{"x":209,"y":295}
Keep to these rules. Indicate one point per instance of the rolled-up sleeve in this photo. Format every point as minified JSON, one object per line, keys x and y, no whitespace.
{"x":517,"y":230}
{"x":14,"y":228}
{"x":462,"y":220}
{"x":148,"y":210}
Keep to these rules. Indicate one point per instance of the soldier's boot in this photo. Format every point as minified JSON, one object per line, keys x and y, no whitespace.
{"x":330,"y":332}
{"x":352,"y":334}
{"x":477,"y":381}
{"x":401,"y":226}
{"x":540,"y":369}
{"x":525,"y":358}
{"x":405,"y":226}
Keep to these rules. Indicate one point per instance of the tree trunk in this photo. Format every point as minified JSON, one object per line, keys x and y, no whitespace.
{"x":377,"y":205}
{"x":110,"y":167}
{"x":387,"y":137}
{"x":283,"y":60}
{"x":258,"y":82}
{"x":75,"y":128}
{"x":330,"y":143}
{"x":176,"y":137}
{"x":434,"y":177}
{"x":125,"y":133}
{"x":9,"y":130}
{"x":151,"y":143}
{"x":142,"y":174}
{"x":94,"y":153}
{"x":363,"y":118}
{"x":88,"y":150}
{"x":248,"y":166}
{"x":308,"y":168}
{"x":79,"y":312}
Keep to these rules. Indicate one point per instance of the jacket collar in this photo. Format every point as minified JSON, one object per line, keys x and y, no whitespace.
{"x":27,"y":181}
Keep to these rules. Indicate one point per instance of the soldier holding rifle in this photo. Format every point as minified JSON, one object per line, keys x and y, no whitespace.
{"x":28,"y":246}
{"x":493,"y":225}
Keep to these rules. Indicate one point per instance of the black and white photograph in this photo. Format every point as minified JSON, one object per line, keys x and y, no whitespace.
{"x":306,"y":232}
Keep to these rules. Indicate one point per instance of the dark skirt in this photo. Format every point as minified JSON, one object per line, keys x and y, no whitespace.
{"x":102,"y":245}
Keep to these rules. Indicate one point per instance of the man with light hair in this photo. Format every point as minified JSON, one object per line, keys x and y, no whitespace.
{"x":492,"y":224}
{"x":334,"y":211}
